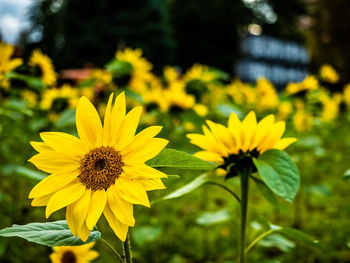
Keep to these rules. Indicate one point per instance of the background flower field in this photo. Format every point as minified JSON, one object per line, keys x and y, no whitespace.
{"x":37,"y":95}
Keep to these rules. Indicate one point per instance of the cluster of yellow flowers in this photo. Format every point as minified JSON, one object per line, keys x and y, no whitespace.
{"x":198,"y":89}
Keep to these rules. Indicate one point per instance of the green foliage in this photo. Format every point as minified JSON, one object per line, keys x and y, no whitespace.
{"x":50,"y":234}
{"x":171,"y":158}
{"x":279,"y":172}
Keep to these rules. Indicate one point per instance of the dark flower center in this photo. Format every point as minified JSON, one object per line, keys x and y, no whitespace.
{"x":69,"y":257}
{"x":100,"y":167}
{"x":235,"y":164}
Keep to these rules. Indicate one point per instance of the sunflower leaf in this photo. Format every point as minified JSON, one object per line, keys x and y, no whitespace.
{"x":186,"y":189}
{"x":50,"y":234}
{"x":279,"y":172}
{"x":176,"y":159}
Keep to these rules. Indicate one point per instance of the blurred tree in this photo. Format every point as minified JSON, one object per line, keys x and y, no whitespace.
{"x":75,"y":32}
{"x":207,"y":31}
{"x":328,"y":37}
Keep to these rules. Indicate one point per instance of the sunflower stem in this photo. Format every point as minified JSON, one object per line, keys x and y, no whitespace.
{"x":113,"y":249}
{"x":127,"y":249}
{"x":244,"y":176}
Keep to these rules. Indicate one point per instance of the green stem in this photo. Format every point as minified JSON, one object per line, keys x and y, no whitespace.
{"x":115,"y":251}
{"x":244,"y":176}
{"x":127,"y":249}
{"x":262,"y":236}
{"x":226,"y":188}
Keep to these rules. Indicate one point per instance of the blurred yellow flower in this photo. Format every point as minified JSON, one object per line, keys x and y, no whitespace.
{"x":285,"y":108}
{"x":266,"y":92}
{"x":58,"y":99}
{"x":247,"y":137}
{"x":234,"y":90}
{"x":347,"y":95}
{"x":6,"y":63}
{"x":44,"y":63}
{"x":30,"y":97}
{"x":101,"y":76}
{"x":74,"y":254}
{"x":103,"y":171}
{"x":201,"y":109}
{"x":329,"y":74}
{"x":141,"y":68}
{"x":330,"y":107}
{"x":199,"y":72}
{"x":309,"y":83}
{"x":302,"y":120}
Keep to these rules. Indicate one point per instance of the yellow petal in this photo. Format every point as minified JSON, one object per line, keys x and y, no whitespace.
{"x":40,"y":146}
{"x":148,"y":133}
{"x":65,"y":196}
{"x":273,"y":136}
{"x":107,"y":122}
{"x":222,"y":134}
{"x":149,"y":149}
{"x":248,"y":129}
{"x":41,"y":201}
{"x":234,"y":125}
{"x":152,"y":184}
{"x":70,"y":220}
{"x":79,"y":210}
{"x":263,"y":128}
{"x":88,"y":123}
{"x":83,"y":232}
{"x":209,"y":156}
{"x":117,"y":117}
{"x":129,"y":127}
{"x":90,"y":255}
{"x":132,"y":191}
{"x":55,"y":162}
{"x":122,"y":209}
{"x":142,"y":171}
{"x":52,"y":183}
{"x":119,"y":228}
{"x":97,"y":203}
{"x":284,"y":143}
{"x":141,"y":137}
{"x":65,"y":143}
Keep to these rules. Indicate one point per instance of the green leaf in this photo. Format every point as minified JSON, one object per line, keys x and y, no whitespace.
{"x":27,"y":172}
{"x":212,"y":218}
{"x":188,"y":188}
{"x":146,"y":234}
{"x":266,"y":192}
{"x":346,"y":175}
{"x":279,"y":172}
{"x":67,"y":118}
{"x":298,"y":236}
{"x":50,"y":234}
{"x":181,"y":160}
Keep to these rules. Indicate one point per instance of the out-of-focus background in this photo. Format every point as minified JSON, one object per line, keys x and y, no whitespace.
{"x":185,"y":62}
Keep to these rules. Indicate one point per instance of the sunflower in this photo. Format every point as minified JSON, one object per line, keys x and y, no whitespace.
{"x":103,"y":171}
{"x":73,"y":254}
{"x":45,"y":65}
{"x":6,"y":63}
{"x":141,"y":68}
{"x":329,"y":74}
{"x":240,"y":141}
{"x":309,"y":83}
{"x":266,"y":92}
{"x":59,"y":99}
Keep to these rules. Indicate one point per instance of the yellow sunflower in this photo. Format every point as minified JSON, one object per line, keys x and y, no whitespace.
{"x":266,"y":92}
{"x":58,"y":99}
{"x":141,"y":68}
{"x":103,"y":171}
{"x":240,"y":138}
{"x":74,"y":254}
{"x":45,"y":64}
{"x":309,"y":83}
{"x":329,"y":74}
{"x":6,"y":63}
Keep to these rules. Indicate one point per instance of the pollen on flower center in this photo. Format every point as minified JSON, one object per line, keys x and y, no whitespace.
{"x":68,"y":257}
{"x":100,"y":167}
